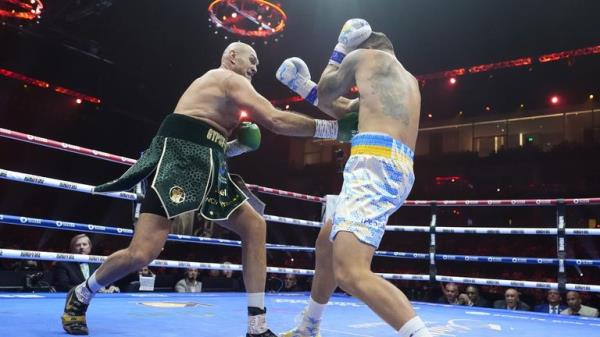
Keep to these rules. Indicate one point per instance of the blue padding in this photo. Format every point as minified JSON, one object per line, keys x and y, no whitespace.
{"x":224,"y":314}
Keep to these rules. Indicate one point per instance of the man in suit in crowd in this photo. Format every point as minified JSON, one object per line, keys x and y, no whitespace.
{"x":450,"y":294}
{"x":511,"y":301}
{"x":475,"y":299}
{"x":576,"y":308}
{"x":554,"y":305}
{"x":69,"y":274}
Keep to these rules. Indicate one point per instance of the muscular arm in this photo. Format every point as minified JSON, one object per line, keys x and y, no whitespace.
{"x":337,"y":81}
{"x":240,"y":91}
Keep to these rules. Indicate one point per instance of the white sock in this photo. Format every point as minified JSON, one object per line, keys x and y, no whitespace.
{"x":87,"y":289}
{"x":92,"y":284}
{"x":256,"y":300}
{"x":311,"y":319}
{"x":314,"y":310}
{"x":414,"y":328}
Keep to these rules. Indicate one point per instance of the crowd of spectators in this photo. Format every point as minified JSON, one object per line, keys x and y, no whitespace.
{"x":553,"y":303}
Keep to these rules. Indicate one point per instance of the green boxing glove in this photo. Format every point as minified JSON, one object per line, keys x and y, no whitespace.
{"x":343,"y":129}
{"x":248,"y":140}
{"x":347,"y":127}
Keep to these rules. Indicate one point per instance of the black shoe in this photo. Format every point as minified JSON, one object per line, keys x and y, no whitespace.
{"x":253,"y":311}
{"x":267,"y":333}
{"x":73,"y":318}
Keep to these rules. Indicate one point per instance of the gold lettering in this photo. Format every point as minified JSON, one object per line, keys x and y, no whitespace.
{"x":216,"y":137}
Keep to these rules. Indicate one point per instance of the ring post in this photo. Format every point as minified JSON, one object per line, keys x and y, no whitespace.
{"x":560,"y":245}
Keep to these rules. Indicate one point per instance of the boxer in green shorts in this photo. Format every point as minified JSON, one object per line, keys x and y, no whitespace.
{"x":187,"y":160}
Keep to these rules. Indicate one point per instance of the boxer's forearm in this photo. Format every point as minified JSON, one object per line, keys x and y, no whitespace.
{"x":329,"y":69}
{"x":340,"y":107}
{"x":327,"y":89}
{"x":292,"y":124}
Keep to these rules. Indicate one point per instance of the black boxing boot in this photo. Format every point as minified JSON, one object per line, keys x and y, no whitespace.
{"x":73,"y":318}
{"x":257,"y":323}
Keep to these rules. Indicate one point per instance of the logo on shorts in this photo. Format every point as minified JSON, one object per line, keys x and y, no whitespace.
{"x":177,"y":194}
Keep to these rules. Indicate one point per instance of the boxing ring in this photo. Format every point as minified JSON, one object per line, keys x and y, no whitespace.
{"x":224,"y":314}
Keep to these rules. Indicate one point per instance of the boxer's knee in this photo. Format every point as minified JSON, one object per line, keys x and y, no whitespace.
{"x":346,"y":276}
{"x":323,"y":245}
{"x":254,"y":230}
{"x":140,"y":257}
{"x":350,"y":270}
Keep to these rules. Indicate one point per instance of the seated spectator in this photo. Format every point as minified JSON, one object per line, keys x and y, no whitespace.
{"x":576,"y":308}
{"x":511,"y":301}
{"x":189,"y":284}
{"x":450,"y":295}
{"x":290,"y":283}
{"x":475,"y":299}
{"x":218,"y":280}
{"x":228,"y":273}
{"x":146,"y":279}
{"x":145,"y":271}
{"x":214,"y":273}
{"x":69,"y":274}
{"x":553,"y":306}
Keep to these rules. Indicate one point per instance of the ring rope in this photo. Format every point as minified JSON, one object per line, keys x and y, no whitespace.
{"x":62,"y":184}
{"x":51,"y":256}
{"x":18,"y":136}
{"x":89,"y":228}
{"x":77,"y":187}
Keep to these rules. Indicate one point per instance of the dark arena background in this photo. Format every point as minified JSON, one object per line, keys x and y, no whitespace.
{"x":506,"y":200}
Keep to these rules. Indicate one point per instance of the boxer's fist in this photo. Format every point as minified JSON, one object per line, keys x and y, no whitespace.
{"x":248,"y":140}
{"x":354,"y":32}
{"x":249,"y":135}
{"x":294,"y":73}
{"x":347,"y":127}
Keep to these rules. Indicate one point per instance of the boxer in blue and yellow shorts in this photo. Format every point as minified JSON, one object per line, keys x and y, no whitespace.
{"x":377,"y":179}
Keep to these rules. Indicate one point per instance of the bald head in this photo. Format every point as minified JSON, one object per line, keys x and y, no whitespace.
{"x":238,"y":47}
{"x":240,"y":58}
{"x":574,"y":301}
{"x":511,"y":296}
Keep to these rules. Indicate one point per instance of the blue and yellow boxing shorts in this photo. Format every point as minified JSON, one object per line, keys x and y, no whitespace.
{"x":377,"y":179}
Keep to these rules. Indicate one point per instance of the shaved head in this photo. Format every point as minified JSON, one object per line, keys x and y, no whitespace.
{"x":238,"y":47}
{"x":240,"y":58}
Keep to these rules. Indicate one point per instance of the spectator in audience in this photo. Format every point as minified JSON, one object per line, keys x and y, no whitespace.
{"x":511,"y":301}
{"x":145,"y":271}
{"x":290,"y":283}
{"x":553,"y":306}
{"x":474,"y":298}
{"x":69,"y":274}
{"x":576,"y":308}
{"x":214,"y":273}
{"x":450,"y":295}
{"x":189,"y":284}
{"x":227,"y":273}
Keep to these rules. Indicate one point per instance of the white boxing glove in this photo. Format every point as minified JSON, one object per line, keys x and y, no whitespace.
{"x":294,"y":73}
{"x":354,"y":32}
